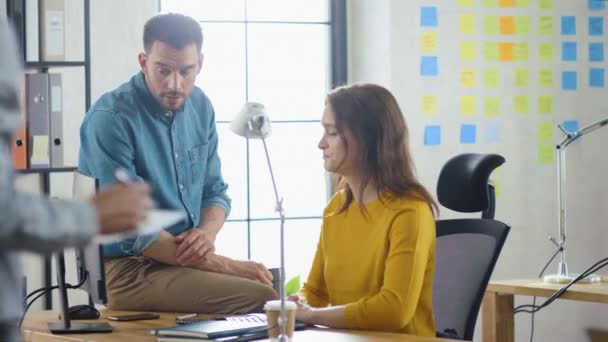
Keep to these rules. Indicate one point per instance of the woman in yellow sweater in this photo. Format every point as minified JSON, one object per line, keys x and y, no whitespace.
{"x":374,"y":264}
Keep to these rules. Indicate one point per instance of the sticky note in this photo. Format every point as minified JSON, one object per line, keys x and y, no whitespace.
{"x":428,"y":66}
{"x":597,"y":4}
{"x":489,"y":3}
{"x":596,"y":26}
{"x":429,"y":104}
{"x":545,"y":52}
{"x":507,"y":24}
{"x":492,"y":130}
{"x":545,"y":104}
{"x":467,"y":133}
{"x":570,"y":126}
{"x":521,"y":77}
{"x":522,"y":24}
{"x":569,"y":80}
{"x":522,"y":3}
{"x":596,"y":77}
{"x":545,"y":154}
{"x":467,"y":78}
{"x":522,"y":104}
{"x":465,"y":3}
{"x":491,"y":105}
{"x":491,"y":24}
{"x":545,"y":131}
{"x":568,"y":25}
{"x":40,"y":149}
{"x":596,"y":52}
{"x":545,"y":25}
{"x":490,"y":52}
{"x":569,"y":51}
{"x":467,"y":23}
{"x":428,"y":42}
{"x":505,"y":52}
{"x":506,"y":3}
{"x":432,"y":135}
{"x":520,"y":52}
{"x":545,"y":4}
{"x":468,"y":105}
{"x":468,"y":51}
{"x":428,"y":16}
{"x":545,"y":78}
{"x":490,"y":78}
{"x":497,"y":186}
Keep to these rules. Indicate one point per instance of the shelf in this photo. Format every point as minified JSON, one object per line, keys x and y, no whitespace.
{"x":48,"y":170}
{"x":58,"y":64}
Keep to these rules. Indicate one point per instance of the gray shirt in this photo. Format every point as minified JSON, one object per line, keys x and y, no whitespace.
{"x":27,"y":222}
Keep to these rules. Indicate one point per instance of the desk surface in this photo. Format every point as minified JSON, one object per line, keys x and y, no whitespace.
{"x":35,"y":330}
{"x":597,"y":293}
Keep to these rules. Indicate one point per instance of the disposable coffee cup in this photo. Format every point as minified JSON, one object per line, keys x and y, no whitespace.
{"x":273,"y":311}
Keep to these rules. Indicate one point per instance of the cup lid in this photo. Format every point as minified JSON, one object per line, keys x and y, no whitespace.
{"x":276,"y":305}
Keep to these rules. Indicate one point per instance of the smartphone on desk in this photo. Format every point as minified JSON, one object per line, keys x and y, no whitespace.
{"x":134,"y":317}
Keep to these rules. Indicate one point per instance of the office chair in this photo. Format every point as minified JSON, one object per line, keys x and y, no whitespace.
{"x":466,"y":249}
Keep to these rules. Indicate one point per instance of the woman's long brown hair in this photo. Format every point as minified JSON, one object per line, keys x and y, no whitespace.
{"x":372,"y":115}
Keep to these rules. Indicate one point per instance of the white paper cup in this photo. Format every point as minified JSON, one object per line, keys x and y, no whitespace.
{"x":273,"y":311}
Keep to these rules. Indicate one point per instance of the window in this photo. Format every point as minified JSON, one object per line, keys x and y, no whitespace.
{"x":278,"y":53}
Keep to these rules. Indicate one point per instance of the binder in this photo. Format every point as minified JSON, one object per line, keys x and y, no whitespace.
{"x":20,"y":148}
{"x":56,"y":120}
{"x":52,"y":30}
{"x":37,"y":113}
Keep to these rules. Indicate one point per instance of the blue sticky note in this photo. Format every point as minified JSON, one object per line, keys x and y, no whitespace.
{"x":467,"y":134}
{"x":596,"y":26}
{"x":428,"y":66}
{"x":568,"y":51}
{"x":570,"y":126}
{"x":596,"y":52}
{"x":428,"y":16}
{"x":597,"y":4}
{"x":492,"y":132}
{"x":432,"y":135}
{"x":568,"y":80}
{"x":568,"y":25}
{"x":596,"y":77}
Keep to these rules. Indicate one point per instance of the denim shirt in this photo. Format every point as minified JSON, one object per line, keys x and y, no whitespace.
{"x":175,"y":152}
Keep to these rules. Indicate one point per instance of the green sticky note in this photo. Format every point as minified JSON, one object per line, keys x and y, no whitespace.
{"x":522,"y":24}
{"x":467,"y":78}
{"x":491,"y":105}
{"x":467,"y":105}
{"x":521,"y":77}
{"x":465,"y":3}
{"x":490,"y":52}
{"x":545,"y":154}
{"x":491,"y":78}
{"x":545,"y":4}
{"x":468,"y":51}
{"x":522,"y":105}
{"x":489,"y":3}
{"x":545,"y":25}
{"x":545,"y":77}
{"x":491,"y":24}
{"x":520,"y":52}
{"x":545,"y":52}
{"x":467,"y":23}
{"x":545,"y":131}
{"x":545,"y":104}
{"x":522,"y":3}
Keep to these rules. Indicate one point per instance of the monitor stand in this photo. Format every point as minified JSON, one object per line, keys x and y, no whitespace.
{"x":66,"y":326}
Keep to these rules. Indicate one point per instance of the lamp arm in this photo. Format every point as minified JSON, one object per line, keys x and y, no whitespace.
{"x":571,"y":136}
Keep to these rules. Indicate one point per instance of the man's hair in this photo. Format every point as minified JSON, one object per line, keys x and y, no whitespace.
{"x":176,"y":30}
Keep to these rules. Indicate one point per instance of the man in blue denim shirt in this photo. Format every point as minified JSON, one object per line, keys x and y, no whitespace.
{"x":160,"y":128}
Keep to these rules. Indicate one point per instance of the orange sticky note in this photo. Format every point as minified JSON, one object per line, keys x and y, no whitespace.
{"x":507,"y":25}
{"x":505,"y":52}
{"x":506,"y":3}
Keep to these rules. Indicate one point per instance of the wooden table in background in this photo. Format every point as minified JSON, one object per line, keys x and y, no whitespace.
{"x":497,"y":309}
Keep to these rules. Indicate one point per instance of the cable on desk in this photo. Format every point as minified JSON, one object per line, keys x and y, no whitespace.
{"x":559,"y":249}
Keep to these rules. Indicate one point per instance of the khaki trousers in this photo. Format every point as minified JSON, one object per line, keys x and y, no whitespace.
{"x":142,"y":284}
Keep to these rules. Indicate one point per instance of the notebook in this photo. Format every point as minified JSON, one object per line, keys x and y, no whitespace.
{"x":213,"y":328}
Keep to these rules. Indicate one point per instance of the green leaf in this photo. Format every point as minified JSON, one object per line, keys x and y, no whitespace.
{"x":292,"y":286}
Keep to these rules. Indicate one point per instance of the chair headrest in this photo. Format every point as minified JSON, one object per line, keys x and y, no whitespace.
{"x":463,"y":181}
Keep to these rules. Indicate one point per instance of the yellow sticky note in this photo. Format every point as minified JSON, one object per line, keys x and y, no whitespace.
{"x":545,"y":25}
{"x":429,"y":104}
{"x":468,"y":105}
{"x":497,"y":187}
{"x":505,"y":52}
{"x":520,"y":52}
{"x":545,"y":154}
{"x":507,"y":24}
{"x":522,"y":24}
{"x":491,"y":105}
{"x":522,"y":3}
{"x":489,"y":3}
{"x":40,"y":149}
{"x":467,"y":78}
{"x":545,"y":52}
{"x":521,"y":77}
{"x":490,"y":24}
{"x":465,"y":3}
{"x":468,"y":51}
{"x":545,"y":104}
{"x":428,"y":42}
{"x":490,"y":52}
{"x":522,"y":105}
{"x":490,"y":78}
{"x":545,"y":78}
{"x":467,"y":23}
{"x":506,"y":3}
{"x":545,"y":4}
{"x":545,"y":131}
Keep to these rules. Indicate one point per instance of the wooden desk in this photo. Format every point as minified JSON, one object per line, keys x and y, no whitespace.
{"x":35,"y":330}
{"x":497,"y":309}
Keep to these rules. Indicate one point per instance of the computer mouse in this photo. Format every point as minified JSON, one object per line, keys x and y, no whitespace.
{"x":83,"y":312}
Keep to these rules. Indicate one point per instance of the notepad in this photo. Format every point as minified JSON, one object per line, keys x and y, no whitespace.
{"x":212,"y":329}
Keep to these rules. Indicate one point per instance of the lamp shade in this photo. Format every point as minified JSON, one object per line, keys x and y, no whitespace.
{"x":252,"y":121}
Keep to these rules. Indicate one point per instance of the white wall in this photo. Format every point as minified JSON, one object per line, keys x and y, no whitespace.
{"x":384,"y":47}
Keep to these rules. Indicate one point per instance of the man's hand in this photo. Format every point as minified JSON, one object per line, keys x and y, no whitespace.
{"x":194,"y":246}
{"x":252,"y":270}
{"x":120,"y":207}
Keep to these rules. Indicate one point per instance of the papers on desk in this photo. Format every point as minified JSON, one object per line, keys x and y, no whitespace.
{"x":157,"y":220}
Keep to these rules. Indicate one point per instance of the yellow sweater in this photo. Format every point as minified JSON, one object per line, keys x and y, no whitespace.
{"x":380,"y":266}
